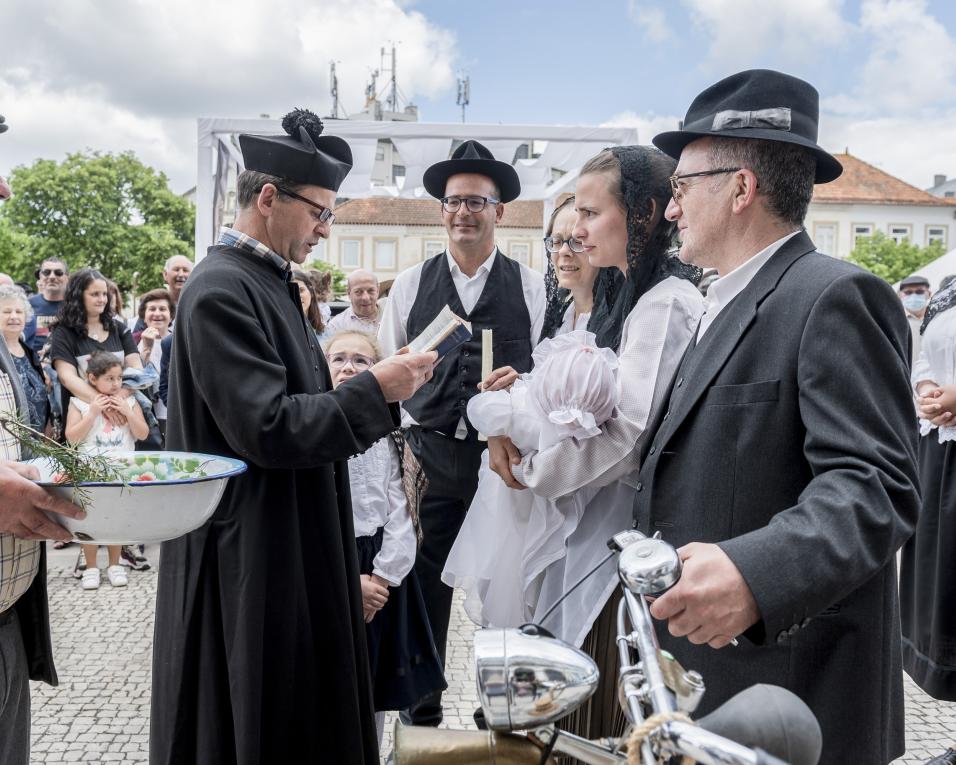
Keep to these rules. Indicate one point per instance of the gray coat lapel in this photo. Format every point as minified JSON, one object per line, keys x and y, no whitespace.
{"x":706,"y":360}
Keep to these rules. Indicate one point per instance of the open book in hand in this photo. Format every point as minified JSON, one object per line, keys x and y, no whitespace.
{"x":445,"y":333}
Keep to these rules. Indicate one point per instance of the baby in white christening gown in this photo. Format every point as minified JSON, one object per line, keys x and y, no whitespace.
{"x":509,"y":537}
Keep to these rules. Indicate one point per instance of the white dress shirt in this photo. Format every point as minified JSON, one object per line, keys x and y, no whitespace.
{"x":378,"y":501}
{"x":727,"y":287}
{"x":401,"y":297}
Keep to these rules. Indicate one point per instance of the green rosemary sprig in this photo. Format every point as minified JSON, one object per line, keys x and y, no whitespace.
{"x":76,"y":467}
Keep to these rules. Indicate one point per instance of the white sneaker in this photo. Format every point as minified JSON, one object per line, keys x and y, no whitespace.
{"x":117,"y":576}
{"x":91,"y":579}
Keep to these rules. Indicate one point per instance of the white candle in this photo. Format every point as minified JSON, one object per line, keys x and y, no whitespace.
{"x":487,"y":359}
{"x":487,"y":362}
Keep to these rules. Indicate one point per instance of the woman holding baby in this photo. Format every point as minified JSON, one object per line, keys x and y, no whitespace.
{"x":645,"y":308}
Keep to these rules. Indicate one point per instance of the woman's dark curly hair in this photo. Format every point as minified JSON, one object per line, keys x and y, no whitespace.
{"x":313,"y":314}
{"x":72,"y":312}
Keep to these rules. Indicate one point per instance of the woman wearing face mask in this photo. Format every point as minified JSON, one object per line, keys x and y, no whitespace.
{"x":648,"y":318}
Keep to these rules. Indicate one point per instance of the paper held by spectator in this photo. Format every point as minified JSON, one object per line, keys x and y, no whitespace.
{"x":445,"y":333}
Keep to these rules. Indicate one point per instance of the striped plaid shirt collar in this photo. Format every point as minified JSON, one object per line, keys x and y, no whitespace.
{"x":234,"y":238}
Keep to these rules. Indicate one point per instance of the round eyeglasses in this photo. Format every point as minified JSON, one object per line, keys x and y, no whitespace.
{"x":554,"y":244}
{"x":473,"y":204}
{"x":359,"y":362}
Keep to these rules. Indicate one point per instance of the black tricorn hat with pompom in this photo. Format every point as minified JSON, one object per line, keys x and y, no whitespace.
{"x":303,"y":156}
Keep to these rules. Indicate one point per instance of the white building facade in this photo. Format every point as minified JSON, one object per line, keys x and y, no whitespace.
{"x":866,"y":200}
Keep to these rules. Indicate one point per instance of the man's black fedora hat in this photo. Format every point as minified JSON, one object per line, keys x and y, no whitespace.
{"x":758,"y":103}
{"x":472,"y":157}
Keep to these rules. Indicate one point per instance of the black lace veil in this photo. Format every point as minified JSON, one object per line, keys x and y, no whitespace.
{"x":941,"y":301}
{"x":651,"y":252}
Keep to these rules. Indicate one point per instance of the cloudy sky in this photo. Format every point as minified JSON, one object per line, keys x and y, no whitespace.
{"x":135,"y":74}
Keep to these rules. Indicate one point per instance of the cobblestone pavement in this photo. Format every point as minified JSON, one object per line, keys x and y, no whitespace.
{"x":103,"y":639}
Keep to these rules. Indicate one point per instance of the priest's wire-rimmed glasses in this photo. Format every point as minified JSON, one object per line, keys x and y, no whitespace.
{"x":554,"y":244}
{"x":474,"y":204}
{"x":675,"y":180}
{"x":325,"y":213}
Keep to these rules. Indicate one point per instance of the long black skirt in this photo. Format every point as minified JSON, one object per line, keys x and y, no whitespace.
{"x":928,"y":576}
{"x":601,"y":715}
{"x":401,"y":650}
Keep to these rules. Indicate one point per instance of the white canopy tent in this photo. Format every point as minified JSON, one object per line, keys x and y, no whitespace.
{"x":934,"y":271}
{"x":419,"y":144}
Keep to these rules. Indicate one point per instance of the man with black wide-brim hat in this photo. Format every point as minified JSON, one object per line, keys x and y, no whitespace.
{"x":259,"y":654}
{"x":784,"y":463}
{"x":492,"y":291}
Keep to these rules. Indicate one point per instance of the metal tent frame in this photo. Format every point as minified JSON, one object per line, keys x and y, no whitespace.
{"x":420,"y":144}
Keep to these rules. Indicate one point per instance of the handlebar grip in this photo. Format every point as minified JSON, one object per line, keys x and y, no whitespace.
{"x":768,"y":759}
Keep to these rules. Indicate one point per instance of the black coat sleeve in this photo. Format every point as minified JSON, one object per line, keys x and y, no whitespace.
{"x":863,"y":499}
{"x":242,"y":380}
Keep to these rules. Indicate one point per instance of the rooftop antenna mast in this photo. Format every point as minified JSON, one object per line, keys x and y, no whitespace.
{"x":464,"y":94}
{"x":393,"y":95}
{"x":334,"y":87}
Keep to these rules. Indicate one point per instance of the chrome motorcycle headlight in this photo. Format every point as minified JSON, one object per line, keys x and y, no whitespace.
{"x":526,"y":679}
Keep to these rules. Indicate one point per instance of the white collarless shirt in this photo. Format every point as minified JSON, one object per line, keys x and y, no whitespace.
{"x":726,"y":288}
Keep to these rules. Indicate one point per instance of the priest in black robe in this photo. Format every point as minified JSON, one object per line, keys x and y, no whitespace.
{"x":259,"y":653}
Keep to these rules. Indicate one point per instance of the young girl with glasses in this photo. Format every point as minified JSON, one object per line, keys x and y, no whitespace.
{"x":404,"y":661}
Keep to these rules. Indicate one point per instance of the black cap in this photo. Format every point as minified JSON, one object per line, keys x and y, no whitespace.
{"x":758,"y":103}
{"x":303,"y":156}
{"x":472,"y":157}
{"x":914,"y":281}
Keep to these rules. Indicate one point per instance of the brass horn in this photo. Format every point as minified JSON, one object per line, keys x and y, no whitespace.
{"x":417,"y":745}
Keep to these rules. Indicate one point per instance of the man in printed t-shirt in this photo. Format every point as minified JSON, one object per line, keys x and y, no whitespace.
{"x":52,"y":276}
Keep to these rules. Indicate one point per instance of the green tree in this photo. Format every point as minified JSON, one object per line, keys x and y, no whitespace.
{"x":891,"y":260}
{"x":108,"y":211}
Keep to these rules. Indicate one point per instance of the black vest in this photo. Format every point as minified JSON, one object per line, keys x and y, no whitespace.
{"x":441,"y":402}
